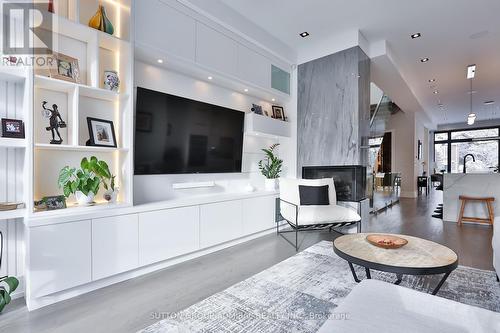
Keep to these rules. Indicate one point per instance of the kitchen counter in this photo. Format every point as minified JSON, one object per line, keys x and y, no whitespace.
{"x":470,"y":184}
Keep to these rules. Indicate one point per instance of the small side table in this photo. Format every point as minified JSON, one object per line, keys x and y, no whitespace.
{"x":487,"y":200}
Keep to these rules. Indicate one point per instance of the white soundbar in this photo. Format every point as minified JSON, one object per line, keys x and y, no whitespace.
{"x":178,"y":186}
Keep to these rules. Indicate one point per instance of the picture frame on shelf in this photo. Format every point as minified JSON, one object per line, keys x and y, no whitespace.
{"x":257,"y":109}
{"x":101,"y":132}
{"x":12,"y":128}
{"x":64,"y":67}
{"x":278,"y":112}
{"x":144,"y":122}
{"x":51,"y":203}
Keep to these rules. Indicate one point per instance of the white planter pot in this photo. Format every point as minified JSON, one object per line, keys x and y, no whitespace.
{"x":270,"y":184}
{"x":110,"y":196}
{"x":83,"y":199}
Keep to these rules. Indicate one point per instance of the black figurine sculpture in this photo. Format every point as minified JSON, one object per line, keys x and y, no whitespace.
{"x":54,"y":123}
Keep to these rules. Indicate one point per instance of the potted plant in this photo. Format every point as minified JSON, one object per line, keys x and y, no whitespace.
{"x":84,"y":183}
{"x":270,"y":167}
{"x":7,"y":286}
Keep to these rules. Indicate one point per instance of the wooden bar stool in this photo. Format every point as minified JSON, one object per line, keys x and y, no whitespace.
{"x":488,"y":200}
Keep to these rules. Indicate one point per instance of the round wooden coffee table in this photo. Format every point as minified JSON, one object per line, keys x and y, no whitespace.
{"x":418,"y":257}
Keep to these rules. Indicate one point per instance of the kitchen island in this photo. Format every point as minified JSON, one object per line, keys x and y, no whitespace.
{"x":472,"y":185}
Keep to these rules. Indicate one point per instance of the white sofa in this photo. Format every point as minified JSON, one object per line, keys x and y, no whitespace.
{"x":376,"y":306}
{"x":495,"y":242}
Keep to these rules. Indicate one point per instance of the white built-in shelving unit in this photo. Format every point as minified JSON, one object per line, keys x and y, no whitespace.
{"x":30,"y":166}
{"x":96,"y":52}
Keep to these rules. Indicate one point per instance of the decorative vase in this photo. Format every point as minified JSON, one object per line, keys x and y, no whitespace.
{"x":111,"y":196}
{"x":51,"y":6}
{"x":270,"y":184}
{"x":111,"y":80}
{"x":101,"y":22}
{"x":84,"y":200}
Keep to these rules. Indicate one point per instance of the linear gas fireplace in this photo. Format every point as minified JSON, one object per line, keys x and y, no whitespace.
{"x":350,"y":180}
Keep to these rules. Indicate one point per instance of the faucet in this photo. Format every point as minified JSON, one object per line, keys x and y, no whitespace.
{"x":465,"y":158}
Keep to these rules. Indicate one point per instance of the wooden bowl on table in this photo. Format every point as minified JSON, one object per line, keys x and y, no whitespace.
{"x":386,"y":241}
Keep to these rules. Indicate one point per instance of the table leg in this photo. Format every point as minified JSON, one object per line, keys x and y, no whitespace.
{"x":399,"y":279}
{"x":354,"y":273}
{"x":368,"y":275}
{"x":440,"y":284}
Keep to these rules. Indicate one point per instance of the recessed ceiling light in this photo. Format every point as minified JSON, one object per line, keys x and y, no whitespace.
{"x":489,"y":102}
{"x":304,"y":34}
{"x":246,"y":90}
{"x":424,"y":59}
{"x":432,"y":80}
{"x":418,"y":34}
{"x":435,"y":92}
{"x":471,"y":71}
{"x":160,"y":61}
{"x":274,"y":100}
{"x":210,"y":78}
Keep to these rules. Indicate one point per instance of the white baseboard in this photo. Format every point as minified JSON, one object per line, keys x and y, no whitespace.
{"x":37,"y":303}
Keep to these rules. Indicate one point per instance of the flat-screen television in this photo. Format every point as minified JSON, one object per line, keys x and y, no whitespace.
{"x":176,"y":135}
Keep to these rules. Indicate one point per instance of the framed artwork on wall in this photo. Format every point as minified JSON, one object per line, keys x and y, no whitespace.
{"x":101,"y":132}
{"x":419,"y":150}
{"x":12,"y":128}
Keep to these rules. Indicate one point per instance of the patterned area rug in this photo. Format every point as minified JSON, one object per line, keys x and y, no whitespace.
{"x":298,"y":294}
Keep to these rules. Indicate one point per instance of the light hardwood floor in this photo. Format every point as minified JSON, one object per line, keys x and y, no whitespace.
{"x":131,"y":305}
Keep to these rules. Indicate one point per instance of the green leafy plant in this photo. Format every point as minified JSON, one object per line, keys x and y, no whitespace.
{"x":7,"y":286}
{"x":270,"y":167}
{"x":87,"y":179}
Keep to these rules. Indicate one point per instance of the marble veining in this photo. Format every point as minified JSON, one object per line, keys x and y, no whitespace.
{"x":333,"y":109}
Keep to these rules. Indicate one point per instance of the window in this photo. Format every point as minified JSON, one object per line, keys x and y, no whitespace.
{"x":441,"y":157}
{"x":441,"y":136}
{"x":450,"y":148}
{"x":475,"y":134}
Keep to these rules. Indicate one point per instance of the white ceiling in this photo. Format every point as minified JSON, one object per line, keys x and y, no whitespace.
{"x":447,"y":27}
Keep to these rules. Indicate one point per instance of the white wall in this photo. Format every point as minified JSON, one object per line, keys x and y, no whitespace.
{"x":159,"y":187}
{"x":402,"y":125}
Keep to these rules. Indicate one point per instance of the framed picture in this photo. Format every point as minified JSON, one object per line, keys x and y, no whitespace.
{"x":64,"y":67}
{"x":12,"y":128}
{"x":278,"y":112}
{"x":144,"y":122}
{"x":102,"y":132}
{"x":419,"y":150}
{"x":54,"y":202}
{"x":257,"y":109}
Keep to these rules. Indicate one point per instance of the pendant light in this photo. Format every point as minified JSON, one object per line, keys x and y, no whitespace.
{"x":471,"y":73}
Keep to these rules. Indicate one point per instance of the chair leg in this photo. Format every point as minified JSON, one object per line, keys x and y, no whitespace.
{"x":461,"y":215}
{"x":491,"y":214}
{"x":296,"y":240}
{"x":359,"y":226}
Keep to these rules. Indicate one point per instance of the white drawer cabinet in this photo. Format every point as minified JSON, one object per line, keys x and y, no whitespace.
{"x":165,"y":29}
{"x":168,"y":233}
{"x":220,"y":222}
{"x":114,"y":245}
{"x":59,"y":257}
{"x":215,"y":50}
{"x":258,"y":214}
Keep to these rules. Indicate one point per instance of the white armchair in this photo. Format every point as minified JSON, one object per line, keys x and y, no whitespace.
{"x":309,"y":216}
